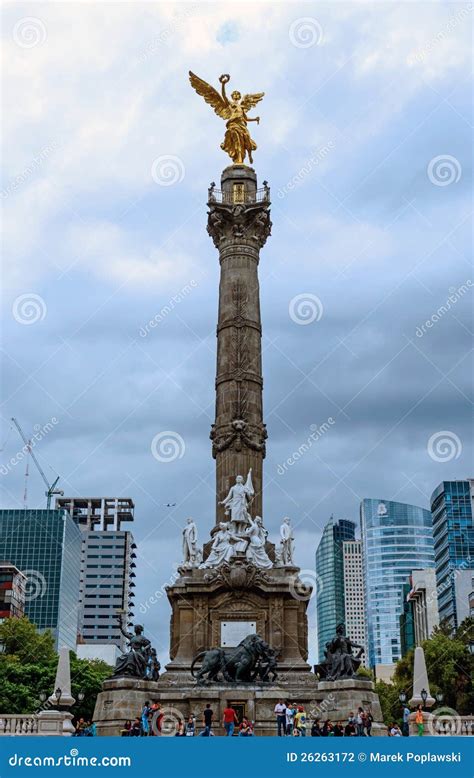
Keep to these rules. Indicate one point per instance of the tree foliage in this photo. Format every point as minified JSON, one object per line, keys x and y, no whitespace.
{"x":28,"y":669}
{"x":450,"y":670}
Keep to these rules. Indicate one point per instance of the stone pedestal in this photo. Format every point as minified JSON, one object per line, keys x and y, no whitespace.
{"x":343,"y":697}
{"x":202,"y":600}
{"x":123,"y":698}
{"x":55,"y":722}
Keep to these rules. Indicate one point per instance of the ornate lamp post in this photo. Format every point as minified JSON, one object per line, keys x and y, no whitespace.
{"x":402,"y":697}
{"x":424,"y":696}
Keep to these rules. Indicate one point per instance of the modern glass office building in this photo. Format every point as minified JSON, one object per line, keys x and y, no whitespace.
{"x":330,"y":602}
{"x":396,"y":539}
{"x":46,"y":546}
{"x":453,"y":531}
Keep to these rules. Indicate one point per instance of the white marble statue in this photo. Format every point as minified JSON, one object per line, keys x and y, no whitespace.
{"x":222,"y":549}
{"x":255,"y":552}
{"x":237,"y":502}
{"x":190,"y":552}
{"x":286,"y":542}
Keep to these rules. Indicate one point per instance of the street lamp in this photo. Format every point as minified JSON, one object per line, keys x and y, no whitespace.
{"x":402,"y":697}
{"x":424,"y":696}
{"x":80,"y":696}
{"x":439,"y":697}
{"x":42,"y":696}
{"x":57,"y":694}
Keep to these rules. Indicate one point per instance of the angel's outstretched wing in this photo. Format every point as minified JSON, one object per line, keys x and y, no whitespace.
{"x":250,"y":101}
{"x":211,"y":95}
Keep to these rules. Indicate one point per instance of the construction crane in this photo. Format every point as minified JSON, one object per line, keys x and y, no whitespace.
{"x":50,"y":487}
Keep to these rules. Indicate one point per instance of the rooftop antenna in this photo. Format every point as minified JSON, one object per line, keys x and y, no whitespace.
{"x":51,"y":488}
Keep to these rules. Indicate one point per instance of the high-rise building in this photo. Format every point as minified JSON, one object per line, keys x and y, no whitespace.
{"x":396,"y":539}
{"x":452,"y":511}
{"x":330,"y":603}
{"x":354,"y":606}
{"x":420,"y":609}
{"x":46,"y":546}
{"x":12,"y":591}
{"x":107,"y":572}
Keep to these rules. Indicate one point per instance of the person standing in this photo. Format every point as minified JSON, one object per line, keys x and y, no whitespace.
{"x":207,"y":716}
{"x":420,"y":720}
{"x":300,"y":721}
{"x":229,"y":720}
{"x":290,"y":714}
{"x":406,"y":721}
{"x":360,"y":722}
{"x":368,"y":719}
{"x":144,"y":719}
{"x":280,"y":712}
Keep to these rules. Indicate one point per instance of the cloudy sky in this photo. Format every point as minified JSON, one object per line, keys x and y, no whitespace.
{"x":108,"y":153}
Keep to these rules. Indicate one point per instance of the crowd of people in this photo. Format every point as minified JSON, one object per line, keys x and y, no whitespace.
{"x":291,"y":721}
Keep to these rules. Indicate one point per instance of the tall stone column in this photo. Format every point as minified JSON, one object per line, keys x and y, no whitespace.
{"x":239,"y":224}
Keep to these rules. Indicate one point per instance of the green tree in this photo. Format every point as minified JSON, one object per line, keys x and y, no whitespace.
{"x":28,"y":669}
{"x":449,"y":665}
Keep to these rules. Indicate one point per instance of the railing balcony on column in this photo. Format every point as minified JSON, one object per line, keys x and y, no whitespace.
{"x":241,"y":198}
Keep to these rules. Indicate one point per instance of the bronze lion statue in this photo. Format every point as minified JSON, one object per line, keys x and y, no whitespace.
{"x":234,"y":664}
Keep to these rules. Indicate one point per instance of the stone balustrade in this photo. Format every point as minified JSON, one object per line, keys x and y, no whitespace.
{"x":12,"y":724}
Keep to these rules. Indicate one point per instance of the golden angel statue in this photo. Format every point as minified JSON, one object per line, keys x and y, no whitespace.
{"x":237,"y":141}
